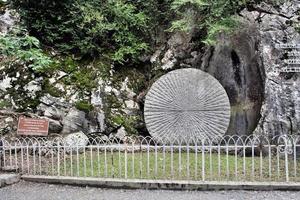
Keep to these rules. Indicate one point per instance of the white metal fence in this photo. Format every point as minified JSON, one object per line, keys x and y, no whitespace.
{"x":232,"y":158}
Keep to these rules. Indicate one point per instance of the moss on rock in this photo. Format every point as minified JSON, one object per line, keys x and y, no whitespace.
{"x":84,"y":106}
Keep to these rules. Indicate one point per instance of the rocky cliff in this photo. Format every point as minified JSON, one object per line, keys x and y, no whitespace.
{"x":262,"y":99}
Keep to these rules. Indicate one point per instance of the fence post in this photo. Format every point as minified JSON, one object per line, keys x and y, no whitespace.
{"x":287,"y":179}
{"x":1,"y":155}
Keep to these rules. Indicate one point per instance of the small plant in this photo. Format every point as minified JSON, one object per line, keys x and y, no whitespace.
{"x":5,"y":104}
{"x":53,"y":91}
{"x":128,"y":122}
{"x":84,"y":106}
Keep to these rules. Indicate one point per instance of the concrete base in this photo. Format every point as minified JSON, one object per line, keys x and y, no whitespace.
{"x":8,"y":179}
{"x":163,"y":184}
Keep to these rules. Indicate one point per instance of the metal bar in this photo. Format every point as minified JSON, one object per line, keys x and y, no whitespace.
{"x":125,"y":164}
{"x":148,"y":160}
{"x":287,"y":176}
{"x":91,"y":161}
{"x":155,"y":162}
{"x":179,"y":162}
{"x":132,"y":161}
{"x":65,"y":160}
{"x":188,"y":161}
{"x":119,"y":160}
{"x":84,"y":161}
{"x":98,"y":162}
{"x":196,"y":161}
{"x":270,"y":162}
{"x":203,"y":162}
{"x":219,"y":162}
{"x":71,"y":160}
{"x":58,"y":159}
{"x":295,"y":161}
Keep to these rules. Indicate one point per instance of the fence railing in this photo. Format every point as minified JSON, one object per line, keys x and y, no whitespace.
{"x":228,"y":158}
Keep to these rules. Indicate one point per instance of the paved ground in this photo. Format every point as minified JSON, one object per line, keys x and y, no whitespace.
{"x":8,"y":179}
{"x":36,"y":191}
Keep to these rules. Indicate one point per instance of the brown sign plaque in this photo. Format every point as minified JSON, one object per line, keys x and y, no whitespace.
{"x":29,"y":126}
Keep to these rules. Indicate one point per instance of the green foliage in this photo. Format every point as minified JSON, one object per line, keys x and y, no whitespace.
{"x":128,"y":122}
{"x":212,"y":16}
{"x":4,"y":104}
{"x":227,"y":25}
{"x":297,"y":27}
{"x":84,"y":106}
{"x":111,"y":28}
{"x":179,"y":3}
{"x":83,"y":79}
{"x":20,"y":48}
{"x":50,"y":89}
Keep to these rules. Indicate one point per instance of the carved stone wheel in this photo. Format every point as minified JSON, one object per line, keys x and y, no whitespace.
{"x":187,"y":104}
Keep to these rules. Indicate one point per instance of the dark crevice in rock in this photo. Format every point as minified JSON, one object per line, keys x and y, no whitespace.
{"x":207,"y":59}
{"x":260,"y":66}
{"x":268,"y":12}
{"x":291,"y":123}
{"x":235,"y":59}
{"x":274,"y":81}
{"x":236,"y":67}
{"x":287,"y":75}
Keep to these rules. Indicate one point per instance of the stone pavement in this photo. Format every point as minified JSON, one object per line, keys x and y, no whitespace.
{"x":8,"y":179}
{"x":41,"y":191}
{"x":164,"y":184}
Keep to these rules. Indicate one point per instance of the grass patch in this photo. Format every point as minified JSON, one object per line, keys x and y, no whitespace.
{"x":168,"y":166}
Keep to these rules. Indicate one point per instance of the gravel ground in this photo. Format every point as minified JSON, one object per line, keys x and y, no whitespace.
{"x":36,"y":191}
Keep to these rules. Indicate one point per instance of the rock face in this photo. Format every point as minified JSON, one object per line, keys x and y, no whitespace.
{"x":7,"y":21}
{"x":235,"y":63}
{"x":281,"y":109}
{"x":262,"y":100}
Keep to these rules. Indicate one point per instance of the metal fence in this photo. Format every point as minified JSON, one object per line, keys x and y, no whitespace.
{"x":229,"y":158}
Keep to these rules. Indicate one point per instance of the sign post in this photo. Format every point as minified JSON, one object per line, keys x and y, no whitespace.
{"x":34,"y":127}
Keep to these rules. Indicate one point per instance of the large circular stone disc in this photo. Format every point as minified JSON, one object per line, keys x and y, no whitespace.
{"x":187,"y":104}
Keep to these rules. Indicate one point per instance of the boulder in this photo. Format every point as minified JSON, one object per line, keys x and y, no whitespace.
{"x":33,"y":87}
{"x":75,"y":120}
{"x":54,"y":101}
{"x":120,"y":135}
{"x":74,"y":140}
{"x":234,"y":62}
{"x":51,"y":112}
{"x":55,"y":126}
{"x":96,"y":121}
